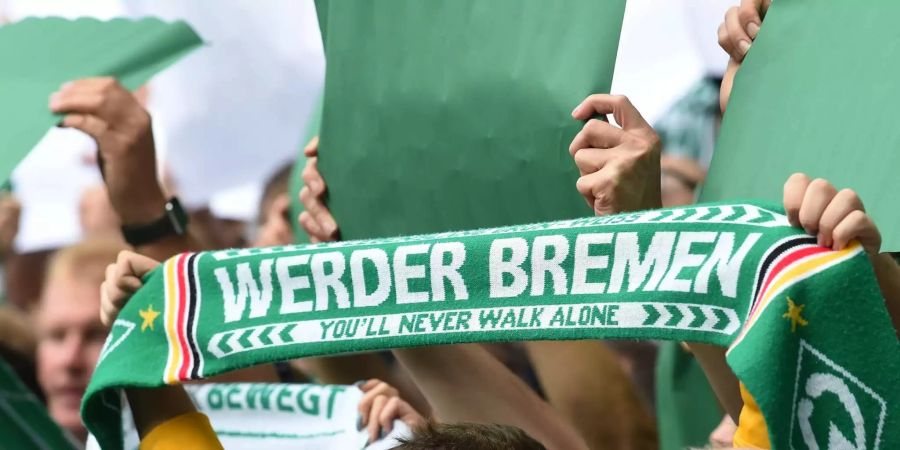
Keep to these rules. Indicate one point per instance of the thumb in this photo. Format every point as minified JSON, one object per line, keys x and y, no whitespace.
{"x":137,"y":264}
{"x":312,"y":148}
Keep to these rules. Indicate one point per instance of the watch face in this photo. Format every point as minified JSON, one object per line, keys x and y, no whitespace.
{"x":177,"y":216}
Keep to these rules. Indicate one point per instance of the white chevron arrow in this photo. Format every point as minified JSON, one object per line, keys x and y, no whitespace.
{"x":254,"y":337}
{"x":213,"y":346}
{"x":675,"y":214}
{"x":733,"y":322}
{"x":233,"y":341}
{"x":750,"y":213}
{"x":711,"y":318}
{"x":698,"y":213}
{"x":664,"y":315}
{"x":725,"y":212}
{"x":275,"y":334}
{"x":688,"y":316}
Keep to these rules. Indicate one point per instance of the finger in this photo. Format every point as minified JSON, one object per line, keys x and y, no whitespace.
{"x":365,"y":403}
{"x":408,"y":414}
{"x":817,"y":197}
{"x":794,"y":190}
{"x":93,"y":126}
{"x":626,"y":115}
{"x":385,"y":389}
{"x":370,"y":384}
{"x":749,"y":17}
{"x":373,"y":425}
{"x":312,"y":178}
{"x":740,"y":41}
{"x":596,"y":134}
{"x":857,"y":225}
{"x":724,"y":39}
{"x":104,"y":301}
{"x":77,"y":102}
{"x":312,"y":148}
{"x":309,"y":224}
{"x":597,"y":188}
{"x":845,"y":202}
{"x":138,"y":265}
{"x":320,"y":214}
{"x":103,"y":97}
{"x":590,"y":160}
{"x":108,"y":314}
{"x":388,"y":414}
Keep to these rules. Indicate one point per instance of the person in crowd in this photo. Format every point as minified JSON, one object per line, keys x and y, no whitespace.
{"x":273,"y":219}
{"x":69,"y":331}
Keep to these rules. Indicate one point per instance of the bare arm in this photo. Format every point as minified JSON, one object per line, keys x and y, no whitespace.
{"x":465,"y":383}
{"x":888,"y":274}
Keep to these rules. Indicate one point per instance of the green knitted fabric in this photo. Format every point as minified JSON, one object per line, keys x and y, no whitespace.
{"x":801,"y":321}
{"x":24,"y":421}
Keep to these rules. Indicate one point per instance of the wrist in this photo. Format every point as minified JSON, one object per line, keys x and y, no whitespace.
{"x":136,"y":210}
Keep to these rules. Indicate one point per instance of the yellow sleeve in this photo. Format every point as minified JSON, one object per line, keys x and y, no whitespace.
{"x":751,"y":431}
{"x":191,"y":430}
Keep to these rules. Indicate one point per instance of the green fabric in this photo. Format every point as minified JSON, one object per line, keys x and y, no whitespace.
{"x":39,"y":55}
{"x":455,"y":114}
{"x":684,"y":274}
{"x":686,"y":407}
{"x":24,"y":422}
{"x":817,"y":94}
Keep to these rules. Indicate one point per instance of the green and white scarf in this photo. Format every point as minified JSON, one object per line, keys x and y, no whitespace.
{"x":278,"y":416}
{"x":803,"y":323}
{"x":24,"y":421}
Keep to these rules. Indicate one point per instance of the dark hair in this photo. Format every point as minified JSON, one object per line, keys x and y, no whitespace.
{"x":276,"y":184}
{"x":468,"y":436}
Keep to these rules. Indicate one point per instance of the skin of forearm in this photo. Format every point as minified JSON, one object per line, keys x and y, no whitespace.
{"x":585,"y":383}
{"x":722,"y":380}
{"x":464,"y":383}
{"x":887,"y":272}
{"x":152,"y":407}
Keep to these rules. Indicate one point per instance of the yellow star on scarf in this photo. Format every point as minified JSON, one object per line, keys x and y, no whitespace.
{"x":793,"y":314}
{"x":149,"y":316}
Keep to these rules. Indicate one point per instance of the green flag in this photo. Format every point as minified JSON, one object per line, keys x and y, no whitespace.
{"x":454,"y":114}
{"x":687,"y":410}
{"x":801,"y":321}
{"x":38,"y":55}
{"x":817,"y":94}
{"x":24,"y":422}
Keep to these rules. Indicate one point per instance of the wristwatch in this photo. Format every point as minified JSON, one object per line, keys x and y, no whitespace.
{"x":173,"y":222}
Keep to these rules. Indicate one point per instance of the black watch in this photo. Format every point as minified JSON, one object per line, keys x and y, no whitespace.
{"x":173,"y":222}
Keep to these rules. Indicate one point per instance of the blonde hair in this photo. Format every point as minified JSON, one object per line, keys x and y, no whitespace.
{"x":15,"y":333}
{"x":86,"y":260}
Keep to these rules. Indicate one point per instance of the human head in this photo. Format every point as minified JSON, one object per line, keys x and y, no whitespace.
{"x":469,"y":436}
{"x":70,"y":334}
{"x":274,"y":219}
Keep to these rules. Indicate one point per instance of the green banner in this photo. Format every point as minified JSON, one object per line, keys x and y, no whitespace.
{"x":815,"y":95}
{"x":39,"y":55}
{"x":280,"y":416}
{"x":456,"y":114}
{"x":734,"y":275}
{"x":24,"y":422}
